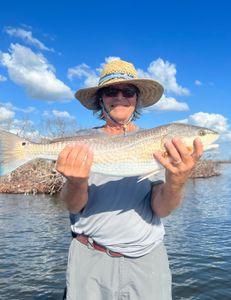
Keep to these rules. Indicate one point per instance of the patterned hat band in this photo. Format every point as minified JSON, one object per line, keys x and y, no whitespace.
{"x":115,"y":75}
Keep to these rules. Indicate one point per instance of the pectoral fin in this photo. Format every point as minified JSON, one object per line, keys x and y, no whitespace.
{"x":141,"y":178}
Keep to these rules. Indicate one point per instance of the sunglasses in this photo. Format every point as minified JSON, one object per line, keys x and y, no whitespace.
{"x":127,"y":92}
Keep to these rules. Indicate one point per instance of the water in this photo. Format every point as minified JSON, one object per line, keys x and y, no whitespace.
{"x":34,"y":241}
{"x":35,"y":236}
{"x":198,"y":240}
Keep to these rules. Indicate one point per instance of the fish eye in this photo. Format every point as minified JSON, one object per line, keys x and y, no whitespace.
{"x":202,"y":132}
{"x":23,"y":143}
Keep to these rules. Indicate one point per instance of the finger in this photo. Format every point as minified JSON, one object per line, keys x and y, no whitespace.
{"x":197,"y":149}
{"x":89,"y":159}
{"x":173,"y":151}
{"x":81,"y":156}
{"x":189,"y":154}
{"x":164,"y":161}
{"x":73,"y":156}
{"x":68,"y":159}
{"x":182,"y":149}
{"x":62,"y":158}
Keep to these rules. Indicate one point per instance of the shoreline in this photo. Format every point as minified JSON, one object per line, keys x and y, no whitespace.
{"x":40,"y":177}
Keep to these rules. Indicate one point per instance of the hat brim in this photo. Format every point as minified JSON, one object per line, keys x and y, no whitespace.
{"x":150,"y":92}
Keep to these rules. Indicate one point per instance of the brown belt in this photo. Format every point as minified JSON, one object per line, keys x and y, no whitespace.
{"x":87,"y":241}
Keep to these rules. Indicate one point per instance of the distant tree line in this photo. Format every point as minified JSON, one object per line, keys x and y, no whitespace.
{"x":48,"y":127}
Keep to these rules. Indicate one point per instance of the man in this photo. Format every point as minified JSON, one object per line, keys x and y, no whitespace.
{"x":118,"y":250}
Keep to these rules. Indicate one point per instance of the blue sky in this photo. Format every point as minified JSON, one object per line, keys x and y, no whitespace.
{"x":49,"y":49}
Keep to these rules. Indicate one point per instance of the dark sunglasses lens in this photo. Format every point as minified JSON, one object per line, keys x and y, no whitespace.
{"x":126,"y":92}
{"x":111,"y":92}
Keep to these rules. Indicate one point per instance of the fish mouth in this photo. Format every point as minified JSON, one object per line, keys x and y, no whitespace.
{"x":211,"y":146}
{"x":209,"y":143}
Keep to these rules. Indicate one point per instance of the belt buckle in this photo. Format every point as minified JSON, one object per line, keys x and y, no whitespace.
{"x":109,"y":252}
{"x":90,"y":243}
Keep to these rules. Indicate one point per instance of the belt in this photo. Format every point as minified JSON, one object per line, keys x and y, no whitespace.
{"x":87,"y":241}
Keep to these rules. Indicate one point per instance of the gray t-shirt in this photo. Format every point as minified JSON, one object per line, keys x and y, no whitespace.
{"x":118,"y":215}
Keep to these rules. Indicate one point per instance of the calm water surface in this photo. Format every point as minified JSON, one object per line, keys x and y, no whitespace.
{"x":35,"y":236}
{"x":198,"y":240}
{"x":34,"y":240}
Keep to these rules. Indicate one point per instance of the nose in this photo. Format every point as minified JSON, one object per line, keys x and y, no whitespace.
{"x":120,"y":95}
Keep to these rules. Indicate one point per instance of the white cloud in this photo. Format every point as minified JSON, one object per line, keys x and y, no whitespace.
{"x":2,"y":78}
{"x":168,"y":104}
{"x":106,"y":61}
{"x":27,"y":37}
{"x":111,"y":58}
{"x":84,"y":71}
{"x":198,"y":82}
{"x":57,"y":114}
{"x":6,"y":114}
{"x":216,"y":122}
{"x":23,"y":127}
{"x":9,"y":122}
{"x":61,"y":114}
{"x":10,"y":106}
{"x":35,"y":74}
{"x":20,"y":123}
{"x":29,"y":109}
{"x":165,"y":73}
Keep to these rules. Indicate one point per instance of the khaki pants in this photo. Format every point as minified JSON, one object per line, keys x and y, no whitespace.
{"x":94,"y":275}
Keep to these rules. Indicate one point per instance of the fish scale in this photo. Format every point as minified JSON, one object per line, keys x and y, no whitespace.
{"x":130,"y":155}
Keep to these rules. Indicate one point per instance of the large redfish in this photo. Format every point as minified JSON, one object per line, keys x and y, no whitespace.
{"x":130,"y":155}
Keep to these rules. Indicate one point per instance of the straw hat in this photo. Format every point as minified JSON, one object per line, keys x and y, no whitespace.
{"x":116,"y":72}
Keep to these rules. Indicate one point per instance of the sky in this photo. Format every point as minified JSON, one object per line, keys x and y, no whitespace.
{"x":50,"y":49}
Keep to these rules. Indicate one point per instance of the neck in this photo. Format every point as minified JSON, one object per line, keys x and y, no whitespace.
{"x":112,"y":128}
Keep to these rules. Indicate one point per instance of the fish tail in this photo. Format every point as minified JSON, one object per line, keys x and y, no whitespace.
{"x":12,"y":152}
